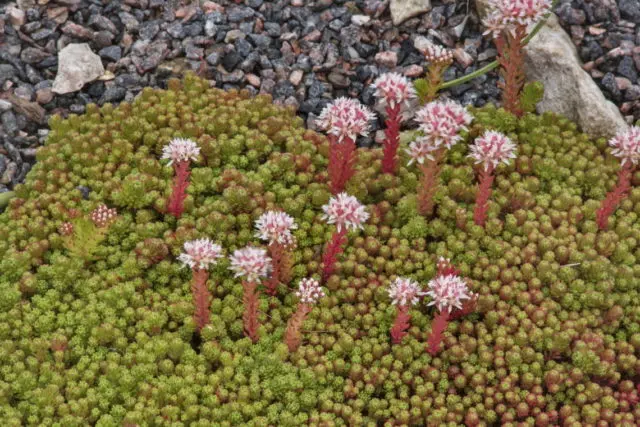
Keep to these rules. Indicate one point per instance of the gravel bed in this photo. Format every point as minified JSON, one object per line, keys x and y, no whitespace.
{"x":304,"y":53}
{"x":607,"y":36}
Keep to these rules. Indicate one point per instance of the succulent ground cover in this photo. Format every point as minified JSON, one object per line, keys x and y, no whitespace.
{"x":101,"y":323}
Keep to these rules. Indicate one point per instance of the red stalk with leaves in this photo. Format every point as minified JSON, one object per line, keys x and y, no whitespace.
{"x":343,"y":119}
{"x":252,"y":264}
{"x":485,"y":178}
{"x":342,"y":161}
{"x":393,"y":92}
{"x":308,"y":293}
{"x":200,"y":255}
{"x":333,"y":249}
{"x":440,"y":123}
{"x":451,"y":296}
{"x":429,"y":183}
{"x":489,"y":150}
{"x":439,"y":60}
{"x":511,"y":59}
{"x":626,"y":146}
{"x":180,"y":152}
{"x":508,"y":22}
{"x":346,"y":213}
{"x":275,"y":228}
{"x":404,"y":293}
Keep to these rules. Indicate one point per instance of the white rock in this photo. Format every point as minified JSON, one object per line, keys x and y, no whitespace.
{"x":5,"y":105}
{"x":16,"y":16}
{"x":401,"y":10}
{"x":421,"y":43}
{"x":360,"y":20}
{"x":551,"y":58}
{"x":77,"y":65}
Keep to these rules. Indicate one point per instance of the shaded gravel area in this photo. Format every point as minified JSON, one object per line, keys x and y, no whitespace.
{"x":304,"y":53}
{"x":607,"y":36}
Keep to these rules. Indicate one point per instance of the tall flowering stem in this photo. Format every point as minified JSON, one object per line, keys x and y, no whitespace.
{"x":275,"y":228}
{"x":180,"y":152}
{"x":251,"y":302}
{"x":392,"y":140}
{"x":403,"y":293}
{"x":346,"y":213}
{"x":308,"y":293}
{"x":175,"y":203}
{"x":511,"y":59}
{"x":440,"y":124}
{"x":439,"y":60}
{"x":342,"y":161}
{"x":485,"y":178}
{"x":448,"y":291}
{"x":394,"y":92}
{"x":332,"y":251}
{"x":252,"y":264}
{"x":200,"y":255}
{"x":626,"y":146}
{"x":438,"y":327}
{"x":429,"y":183}
{"x":508,"y":21}
{"x":489,"y":150}
{"x":344,"y":120}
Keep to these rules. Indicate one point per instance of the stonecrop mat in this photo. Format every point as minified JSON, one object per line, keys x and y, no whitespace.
{"x":199,"y":258}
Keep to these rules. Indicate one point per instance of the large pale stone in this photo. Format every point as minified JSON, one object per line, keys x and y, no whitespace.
{"x":401,"y":10}
{"x":552,"y":59}
{"x":77,"y":65}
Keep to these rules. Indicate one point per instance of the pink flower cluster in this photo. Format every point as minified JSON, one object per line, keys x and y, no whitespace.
{"x":437,"y":54}
{"x":394,"y":89}
{"x":275,"y":227}
{"x":309,"y":291}
{"x":346,"y":118}
{"x":626,"y":146}
{"x":251,"y":263}
{"x":200,"y":254}
{"x":65,"y":229}
{"x":405,"y":292}
{"x":345,"y":211}
{"x":440,"y":122}
{"x":491,"y":149}
{"x":103,"y":216}
{"x":505,"y":15}
{"x":180,"y":150}
{"x":447,"y":292}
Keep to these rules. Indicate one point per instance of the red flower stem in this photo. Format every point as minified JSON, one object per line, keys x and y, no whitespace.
{"x":482,"y":196}
{"x":511,"y":58}
{"x":331,"y":252}
{"x":292,"y":335}
{"x":434,"y":78}
{"x":250,"y":315}
{"x":401,"y":324}
{"x":392,"y":140}
{"x":276,"y":252}
{"x":609,"y":205}
{"x":175,"y":204}
{"x":342,"y":160}
{"x":438,"y":326}
{"x":201,"y":298}
{"x":429,"y":183}
{"x":468,"y":307}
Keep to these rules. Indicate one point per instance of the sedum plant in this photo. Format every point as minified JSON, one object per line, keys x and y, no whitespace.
{"x":200,"y":255}
{"x":626,"y":147}
{"x":550,"y":334}
{"x":509,"y":22}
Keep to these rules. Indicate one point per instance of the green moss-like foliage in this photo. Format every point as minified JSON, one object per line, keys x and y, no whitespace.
{"x":108,"y":340}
